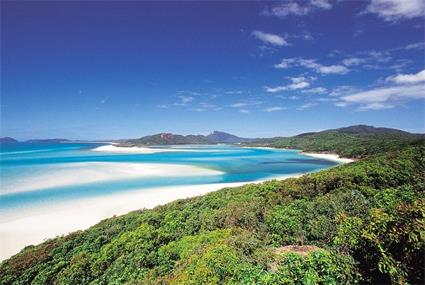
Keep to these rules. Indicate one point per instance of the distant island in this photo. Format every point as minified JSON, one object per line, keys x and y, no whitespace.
{"x":353,"y":142}
{"x":8,"y":140}
{"x":215,"y":137}
{"x":356,"y":141}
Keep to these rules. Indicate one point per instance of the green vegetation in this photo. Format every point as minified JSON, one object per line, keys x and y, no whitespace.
{"x":355,"y":141}
{"x":358,"y":223}
{"x":172,"y":139}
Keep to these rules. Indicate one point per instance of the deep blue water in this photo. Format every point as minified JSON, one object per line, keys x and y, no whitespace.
{"x":21,"y":164}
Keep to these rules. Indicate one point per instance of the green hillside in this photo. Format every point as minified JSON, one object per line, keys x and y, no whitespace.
{"x":355,"y":141}
{"x":173,"y":139}
{"x":357,"y":223}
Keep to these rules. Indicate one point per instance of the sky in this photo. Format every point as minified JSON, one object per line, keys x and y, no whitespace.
{"x":109,"y":70}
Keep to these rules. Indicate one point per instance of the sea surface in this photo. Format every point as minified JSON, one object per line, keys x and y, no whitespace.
{"x":28,"y":170}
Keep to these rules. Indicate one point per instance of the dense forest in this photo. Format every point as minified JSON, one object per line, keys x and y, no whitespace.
{"x":354,"y":141}
{"x":361,"y":222}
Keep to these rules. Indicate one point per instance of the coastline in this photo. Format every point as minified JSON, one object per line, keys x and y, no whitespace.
{"x":149,"y":150}
{"x":36,"y":225}
{"x":328,"y":156}
{"x":133,"y":149}
{"x":90,"y":172}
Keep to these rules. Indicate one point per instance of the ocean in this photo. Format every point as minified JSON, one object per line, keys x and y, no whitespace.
{"x":37,"y":174}
{"x":48,"y":190}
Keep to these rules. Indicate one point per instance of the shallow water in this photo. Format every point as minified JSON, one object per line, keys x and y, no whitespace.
{"x":35,"y":174}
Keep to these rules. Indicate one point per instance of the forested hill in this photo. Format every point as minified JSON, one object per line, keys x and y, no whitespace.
{"x":354,"y":141}
{"x":174,"y":139}
{"x":361,"y":222}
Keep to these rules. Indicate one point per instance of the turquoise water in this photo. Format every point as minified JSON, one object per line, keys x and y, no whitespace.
{"x":22,"y":164}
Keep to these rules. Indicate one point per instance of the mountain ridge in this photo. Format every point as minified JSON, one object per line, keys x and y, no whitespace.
{"x":216,"y":137}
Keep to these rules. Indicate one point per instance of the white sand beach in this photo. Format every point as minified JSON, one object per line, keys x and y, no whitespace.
{"x":112,"y":148}
{"x":135,"y":149}
{"x":328,"y":156}
{"x":89,"y":172}
{"x":33,"y":226}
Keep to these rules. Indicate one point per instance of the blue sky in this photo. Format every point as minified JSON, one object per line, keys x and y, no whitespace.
{"x":104,"y":70}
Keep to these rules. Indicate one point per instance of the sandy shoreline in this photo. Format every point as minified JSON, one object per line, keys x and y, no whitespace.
{"x":328,"y":156}
{"x":148,"y":150}
{"x":35,"y":225}
{"x":89,"y":172}
{"x":135,"y":149}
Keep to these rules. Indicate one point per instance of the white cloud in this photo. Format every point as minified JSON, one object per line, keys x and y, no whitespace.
{"x":245,"y":104}
{"x":343,"y":90}
{"x":233,"y":92}
{"x":408,"y":78}
{"x":383,"y":98}
{"x":331,"y":69}
{"x":276,"y":89}
{"x":244,"y":111}
{"x":353,"y":61}
{"x":299,"y":8}
{"x":273,"y":109}
{"x":297,"y":83}
{"x":379,"y":56}
{"x":183,"y":100}
{"x":312,"y":64}
{"x":322,"y":4}
{"x":286,"y":63}
{"x":205,"y":106}
{"x":393,"y":10}
{"x":415,"y":46}
{"x":375,"y":106}
{"x":316,"y":90}
{"x":306,"y":106}
{"x":199,"y":109}
{"x":238,"y":105}
{"x":268,"y":38}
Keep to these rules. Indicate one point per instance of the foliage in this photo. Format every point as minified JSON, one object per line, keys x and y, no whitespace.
{"x":318,"y":267}
{"x":366,"y":218}
{"x":354,"y":141}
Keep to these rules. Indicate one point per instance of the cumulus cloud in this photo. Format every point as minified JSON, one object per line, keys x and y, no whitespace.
{"x":394,"y":10}
{"x":405,"y":87}
{"x":271,"y":39}
{"x":297,"y":8}
{"x":383,"y":98}
{"x":312,"y":64}
{"x":408,"y":78}
{"x":300,"y":82}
